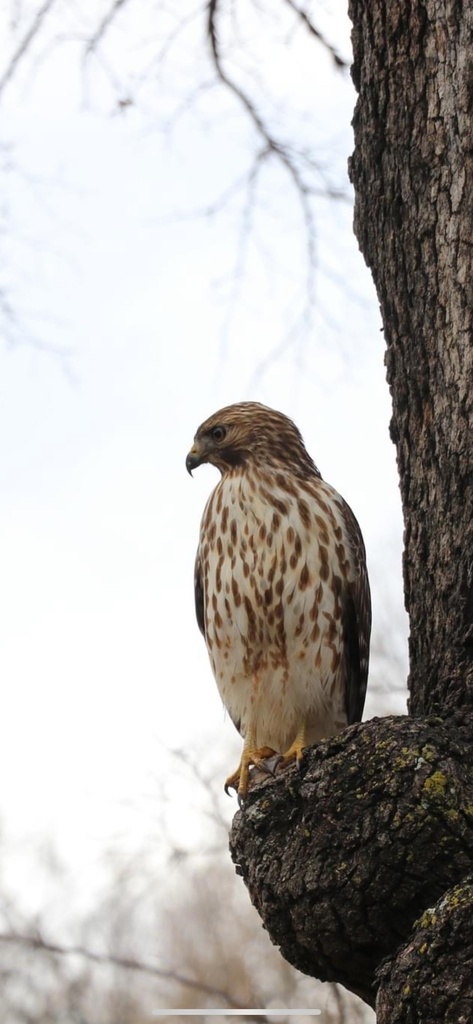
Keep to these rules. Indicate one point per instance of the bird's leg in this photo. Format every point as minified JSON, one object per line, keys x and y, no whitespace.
{"x":251,"y":755}
{"x":257,"y":757}
{"x":296,"y":750}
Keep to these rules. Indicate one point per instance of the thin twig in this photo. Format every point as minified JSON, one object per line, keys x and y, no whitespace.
{"x":272,"y":146}
{"x":271,"y":143}
{"x":338,"y":61}
{"x":25,"y":43}
{"x":104,"y":26}
{"x":127,"y":963}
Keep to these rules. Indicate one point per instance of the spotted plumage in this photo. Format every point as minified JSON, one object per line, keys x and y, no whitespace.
{"x":281,"y":588}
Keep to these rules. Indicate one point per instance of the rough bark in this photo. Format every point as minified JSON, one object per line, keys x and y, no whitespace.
{"x":413,"y":175}
{"x":346,"y":860}
{"x":431,"y":977}
{"x":341,"y":858}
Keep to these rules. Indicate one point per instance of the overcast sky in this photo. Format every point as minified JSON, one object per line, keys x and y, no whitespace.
{"x":102,"y":663}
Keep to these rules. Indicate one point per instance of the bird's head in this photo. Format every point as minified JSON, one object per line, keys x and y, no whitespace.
{"x":249,"y":433}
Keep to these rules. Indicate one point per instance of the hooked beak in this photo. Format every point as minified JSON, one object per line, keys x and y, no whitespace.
{"x":195,"y":458}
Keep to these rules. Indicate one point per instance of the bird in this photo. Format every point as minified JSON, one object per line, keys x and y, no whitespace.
{"x":282,"y":594}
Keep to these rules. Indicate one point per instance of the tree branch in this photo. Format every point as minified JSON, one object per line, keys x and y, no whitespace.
{"x":24,"y":45}
{"x":36,"y":942}
{"x":309,"y":24}
{"x":422,"y":981}
{"x":104,"y":26}
{"x":272,"y":145}
{"x":341,"y":858}
{"x":271,"y":142}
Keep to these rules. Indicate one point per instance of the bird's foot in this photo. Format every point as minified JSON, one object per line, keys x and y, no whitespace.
{"x":294,"y":753}
{"x":257,"y":758}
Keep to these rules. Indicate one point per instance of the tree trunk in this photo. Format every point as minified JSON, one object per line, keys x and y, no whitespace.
{"x":359,"y":865}
{"x":413,"y":175}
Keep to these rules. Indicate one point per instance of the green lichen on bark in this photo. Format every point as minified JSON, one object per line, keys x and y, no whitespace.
{"x":430,"y":979}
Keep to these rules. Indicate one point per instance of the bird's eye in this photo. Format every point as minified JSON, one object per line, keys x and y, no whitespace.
{"x":218,"y":433}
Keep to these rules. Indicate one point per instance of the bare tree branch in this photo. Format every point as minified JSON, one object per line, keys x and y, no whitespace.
{"x":127,"y":963}
{"x":272,"y":146}
{"x":271,"y":142}
{"x":338,"y":61}
{"x":25,"y":43}
{"x":104,"y":26}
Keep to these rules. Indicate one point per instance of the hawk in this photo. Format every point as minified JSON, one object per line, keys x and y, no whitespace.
{"x":281,"y":588}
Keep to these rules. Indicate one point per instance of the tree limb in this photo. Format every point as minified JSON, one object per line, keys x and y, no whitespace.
{"x":341,"y":858}
{"x":309,"y":24}
{"x":36,"y":942}
{"x":431,"y":976}
{"x":271,"y":143}
{"x":23,"y":46}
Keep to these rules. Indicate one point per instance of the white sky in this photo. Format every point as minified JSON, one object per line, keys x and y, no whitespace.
{"x":101,"y":659}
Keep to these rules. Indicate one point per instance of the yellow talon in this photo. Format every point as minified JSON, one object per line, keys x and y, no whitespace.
{"x":240,"y":779}
{"x":296,"y":750}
